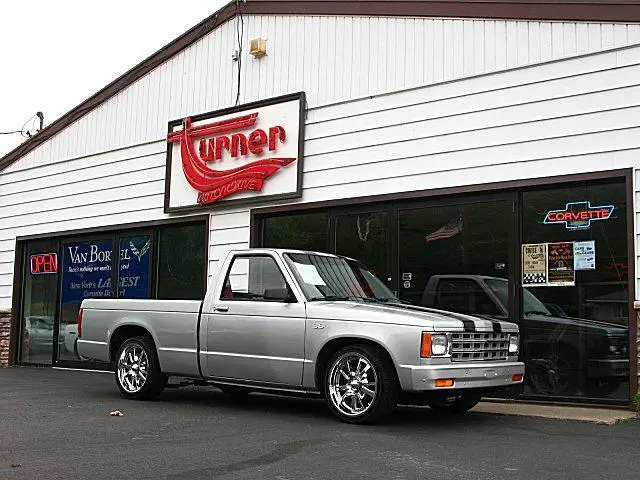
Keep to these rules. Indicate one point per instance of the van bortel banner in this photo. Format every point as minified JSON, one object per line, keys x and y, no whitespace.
{"x":247,"y":154}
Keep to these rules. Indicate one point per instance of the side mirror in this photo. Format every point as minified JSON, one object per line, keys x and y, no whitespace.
{"x":279,"y":295}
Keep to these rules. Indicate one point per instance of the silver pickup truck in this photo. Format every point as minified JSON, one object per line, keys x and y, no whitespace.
{"x":304,"y":323}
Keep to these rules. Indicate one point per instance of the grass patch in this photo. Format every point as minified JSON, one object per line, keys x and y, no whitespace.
{"x":636,"y":402}
{"x":625,"y":421}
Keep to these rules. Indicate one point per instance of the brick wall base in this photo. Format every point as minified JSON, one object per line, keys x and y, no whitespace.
{"x":638,"y":345}
{"x":5,"y":332}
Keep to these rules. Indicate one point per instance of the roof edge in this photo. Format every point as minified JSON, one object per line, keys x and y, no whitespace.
{"x":623,"y":11}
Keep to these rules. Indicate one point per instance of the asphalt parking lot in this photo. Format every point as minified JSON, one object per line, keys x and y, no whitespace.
{"x":55,"y":424}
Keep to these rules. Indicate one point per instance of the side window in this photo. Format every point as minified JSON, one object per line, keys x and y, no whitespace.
{"x":464,"y":296}
{"x":249,"y":278}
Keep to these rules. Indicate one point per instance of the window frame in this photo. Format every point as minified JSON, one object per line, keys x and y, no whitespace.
{"x":234,"y":257}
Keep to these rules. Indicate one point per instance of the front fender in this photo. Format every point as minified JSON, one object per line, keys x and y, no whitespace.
{"x":402,"y":343}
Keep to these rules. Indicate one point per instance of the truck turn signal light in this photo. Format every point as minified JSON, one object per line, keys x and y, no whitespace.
{"x":444,"y":382}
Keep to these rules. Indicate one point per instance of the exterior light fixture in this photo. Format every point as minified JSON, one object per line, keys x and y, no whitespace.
{"x":258,"y":47}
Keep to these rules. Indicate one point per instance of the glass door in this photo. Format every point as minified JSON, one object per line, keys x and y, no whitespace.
{"x":575,"y":319}
{"x":39,"y":295}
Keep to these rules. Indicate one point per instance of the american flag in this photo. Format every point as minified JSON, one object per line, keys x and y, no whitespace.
{"x":449,"y":230}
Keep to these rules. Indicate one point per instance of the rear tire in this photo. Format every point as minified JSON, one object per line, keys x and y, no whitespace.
{"x":360,"y":385}
{"x":458,"y":406}
{"x":138,"y":373}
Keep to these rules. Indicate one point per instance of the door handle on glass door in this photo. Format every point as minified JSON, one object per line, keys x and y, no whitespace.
{"x":220,"y":309}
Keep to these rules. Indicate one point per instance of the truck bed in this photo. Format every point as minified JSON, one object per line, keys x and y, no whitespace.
{"x":173,"y":323}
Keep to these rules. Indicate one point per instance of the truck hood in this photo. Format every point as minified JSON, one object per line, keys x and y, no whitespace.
{"x":585,"y":324}
{"x":401,"y":314}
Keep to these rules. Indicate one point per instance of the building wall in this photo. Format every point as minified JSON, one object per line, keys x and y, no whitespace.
{"x":330,"y":58}
{"x":472,"y":121}
{"x":573,"y":116}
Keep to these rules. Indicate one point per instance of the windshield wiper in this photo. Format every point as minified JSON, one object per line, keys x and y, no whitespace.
{"x":536,"y":312}
{"x":329,"y":298}
{"x":378,"y":299}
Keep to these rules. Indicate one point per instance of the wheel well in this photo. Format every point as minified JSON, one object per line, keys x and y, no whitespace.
{"x":123,"y":333}
{"x":333,"y":346}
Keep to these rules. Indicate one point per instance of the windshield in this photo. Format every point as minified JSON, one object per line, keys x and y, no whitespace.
{"x":333,"y":278}
{"x":530,"y":303}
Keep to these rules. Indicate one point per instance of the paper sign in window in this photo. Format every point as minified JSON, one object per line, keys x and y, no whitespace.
{"x":584,"y":255}
{"x":309,"y":274}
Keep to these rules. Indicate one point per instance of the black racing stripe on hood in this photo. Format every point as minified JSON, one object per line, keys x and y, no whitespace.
{"x":469,"y":325}
{"x":416,"y":308}
{"x":497,"y":327}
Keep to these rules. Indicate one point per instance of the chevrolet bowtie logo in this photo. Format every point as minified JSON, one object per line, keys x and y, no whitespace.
{"x":579,"y":215}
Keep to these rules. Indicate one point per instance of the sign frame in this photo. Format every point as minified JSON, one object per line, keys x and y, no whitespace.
{"x":300,"y":96}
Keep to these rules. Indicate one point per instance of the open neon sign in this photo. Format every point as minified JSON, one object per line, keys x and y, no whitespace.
{"x":44,"y":263}
{"x":579,"y":215}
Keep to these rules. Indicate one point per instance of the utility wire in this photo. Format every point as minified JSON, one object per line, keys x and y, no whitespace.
{"x":240,"y":34}
{"x":22,"y":131}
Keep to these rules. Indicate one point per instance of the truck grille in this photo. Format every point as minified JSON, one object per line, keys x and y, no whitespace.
{"x":479,"y":346}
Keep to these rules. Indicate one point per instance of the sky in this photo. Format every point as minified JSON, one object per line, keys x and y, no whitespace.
{"x":56,"y":54}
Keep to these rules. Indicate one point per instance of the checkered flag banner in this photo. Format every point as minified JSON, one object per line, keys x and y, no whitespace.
{"x":533,"y":278}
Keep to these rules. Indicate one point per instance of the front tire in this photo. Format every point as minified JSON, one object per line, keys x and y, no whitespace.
{"x":138,"y":373}
{"x":361,"y":386}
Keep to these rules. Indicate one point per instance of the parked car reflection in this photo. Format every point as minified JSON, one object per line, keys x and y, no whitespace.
{"x":37,"y":343}
{"x":564,"y":356}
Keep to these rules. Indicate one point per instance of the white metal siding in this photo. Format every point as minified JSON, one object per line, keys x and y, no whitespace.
{"x":121,"y":186}
{"x":331,"y":58}
{"x":573,"y":116}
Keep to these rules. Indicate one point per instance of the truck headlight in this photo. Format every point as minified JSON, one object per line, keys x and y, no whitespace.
{"x":434,"y":344}
{"x":514,"y":343}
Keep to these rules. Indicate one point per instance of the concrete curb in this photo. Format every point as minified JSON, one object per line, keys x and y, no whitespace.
{"x":603,"y":416}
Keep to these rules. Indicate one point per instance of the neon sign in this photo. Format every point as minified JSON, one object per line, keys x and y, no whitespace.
{"x":578,"y":215}
{"x":44,"y":263}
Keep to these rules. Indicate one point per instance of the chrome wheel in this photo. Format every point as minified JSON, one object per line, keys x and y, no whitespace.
{"x":133,"y":368}
{"x":353,"y":384}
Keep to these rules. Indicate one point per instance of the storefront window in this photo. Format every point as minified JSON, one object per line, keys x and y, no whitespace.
{"x":306,"y":231}
{"x":135,"y":267}
{"x":571,"y":301}
{"x":87,"y":273}
{"x":182,"y":262}
{"x":39,"y":302}
{"x":575,"y":300}
{"x":455,"y":257}
{"x":364,"y":236}
{"x":162,"y":262}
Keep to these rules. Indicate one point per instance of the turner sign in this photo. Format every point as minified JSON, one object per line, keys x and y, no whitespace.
{"x":579,"y":215}
{"x":244,"y":154}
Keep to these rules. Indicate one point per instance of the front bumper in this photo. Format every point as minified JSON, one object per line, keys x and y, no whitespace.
{"x":608,"y":368}
{"x":464,"y":375}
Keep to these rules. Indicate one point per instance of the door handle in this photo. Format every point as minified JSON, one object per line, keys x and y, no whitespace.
{"x":220,"y":309}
